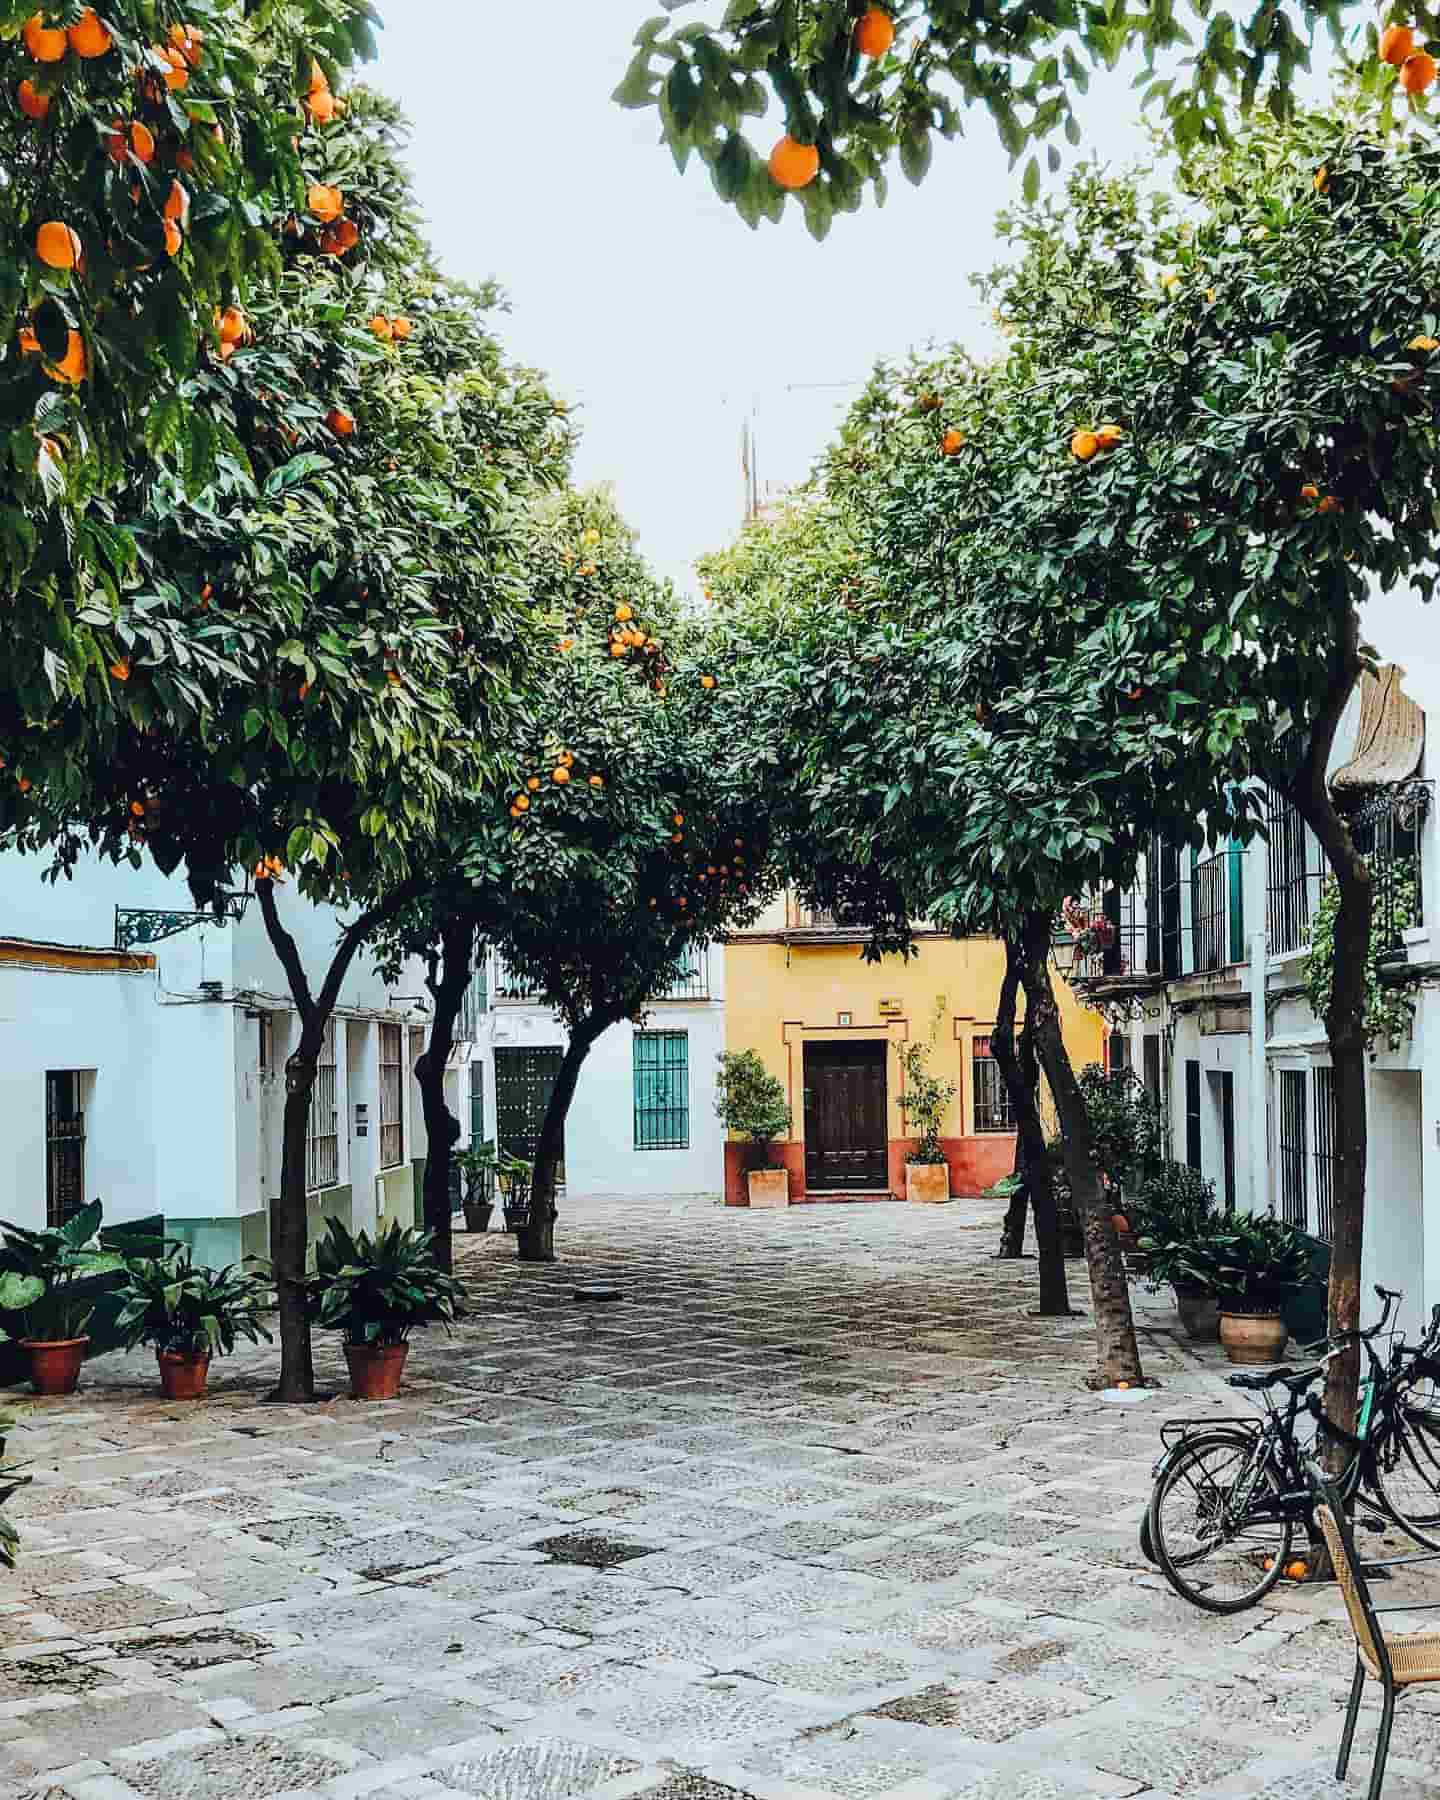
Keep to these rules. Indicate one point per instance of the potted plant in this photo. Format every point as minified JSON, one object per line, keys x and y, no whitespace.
{"x":1259,"y":1262}
{"x":10,"y":1480}
{"x":516,"y":1178}
{"x":750,"y":1101}
{"x":923,"y":1105}
{"x":1176,"y":1225}
{"x":478,"y":1166}
{"x":39,"y":1271}
{"x":189,"y":1314}
{"x":376,"y":1291}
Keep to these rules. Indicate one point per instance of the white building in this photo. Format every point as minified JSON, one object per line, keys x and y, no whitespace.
{"x":142,"y":1053}
{"x":1203,"y":986}
{"x":643,"y":1119}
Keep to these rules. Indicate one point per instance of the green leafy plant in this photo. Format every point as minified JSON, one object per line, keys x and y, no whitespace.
{"x":1389,"y":1006}
{"x":377,"y":1290}
{"x":479,"y":1165}
{"x":751,"y":1101}
{"x":170,"y":1303}
{"x":1172,"y":1204}
{"x":1127,"y":1123}
{"x":925,"y":1101}
{"x":39,"y":1271}
{"x":10,"y":1480}
{"x":1257,"y":1259}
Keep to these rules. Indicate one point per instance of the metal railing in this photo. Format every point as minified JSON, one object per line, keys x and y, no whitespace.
{"x":1387,"y":832}
{"x":691,"y":983}
{"x":1294,"y":878}
{"x":1207,"y":912}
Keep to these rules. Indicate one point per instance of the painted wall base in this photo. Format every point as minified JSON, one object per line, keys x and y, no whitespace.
{"x":974,"y":1164}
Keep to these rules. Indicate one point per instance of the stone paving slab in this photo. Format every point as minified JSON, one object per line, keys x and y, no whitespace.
{"x":817,"y":1512}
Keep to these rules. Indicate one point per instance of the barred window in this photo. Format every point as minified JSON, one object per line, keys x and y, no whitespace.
{"x":392,"y":1128}
{"x":64,"y":1147}
{"x":662,"y":1090}
{"x":1295,"y":877}
{"x":1325,"y":1158}
{"x":322,"y":1149}
{"x":1294,"y":1163}
{"x":993,"y":1111}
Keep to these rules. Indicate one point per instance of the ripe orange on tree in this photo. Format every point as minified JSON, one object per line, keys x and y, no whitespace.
{"x":1417,"y":72}
{"x":234,"y":326}
{"x":326,"y":203}
{"x":33,"y":103}
{"x":1083,"y":445}
{"x":174,"y":238}
{"x":560,"y":776}
{"x":382,"y":328}
{"x":1108,"y":436}
{"x":177,"y":203}
{"x":400,"y":329}
{"x":340,"y":422}
{"x":793,"y":165}
{"x":46,"y":43}
{"x":875,"y":33}
{"x":598,"y":781}
{"x":952,"y":443}
{"x":88,"y":37}
{"x":624,"y":612}
{"x":1396,"y":43}
{"x":73,"y":366}
{"x":707,"y":681}
{"x":340,"y":237}
{"x":58,"y":246}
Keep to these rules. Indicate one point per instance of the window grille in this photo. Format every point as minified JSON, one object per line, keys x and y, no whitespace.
{"x":1325,"y":1158}
{"x":1294,"y":1169}
{"x":64,"y":1147}
{"x":1207,"y":912}
{"x":474,"y":1006}
{"x":1235,"y":857}
{"x":662,"y":1090}
{"x":392,"y":1127}
{"x":1294,"y":878}
{"x":322,"y":1148}
{"x":692,"y":981}
{"x":1387,"y":834}
{"x":512,"y":986}
{"x":1117,"y":1053}
{"x":1162,"y":908}
{"x":993,"y":1111}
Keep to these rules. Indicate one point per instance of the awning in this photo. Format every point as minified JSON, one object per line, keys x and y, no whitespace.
{"x":1390,"y":743}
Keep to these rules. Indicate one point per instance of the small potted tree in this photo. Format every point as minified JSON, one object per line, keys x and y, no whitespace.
{"x":750,"y":1101}
{"x":1259,"y":1262}
{"x":923,"y":1105}
{"x":1175,"y":1223}
{"x":478,"y":1168}
{"x":515,"y":1176}
{"x":189,"y":1314}
{"x":376,"y":1291}
{"x":39,"y":1273}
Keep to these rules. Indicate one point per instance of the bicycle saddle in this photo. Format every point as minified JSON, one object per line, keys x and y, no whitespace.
{"x":1297,"y":1380}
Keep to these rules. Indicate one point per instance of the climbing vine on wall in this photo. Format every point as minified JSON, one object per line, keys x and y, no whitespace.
{"x":1389,"y":1009}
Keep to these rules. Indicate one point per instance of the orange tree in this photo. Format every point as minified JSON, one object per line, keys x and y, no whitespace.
{"x":263,"y":686}
{"x":863,"y":84}
{"x":631,"y":835}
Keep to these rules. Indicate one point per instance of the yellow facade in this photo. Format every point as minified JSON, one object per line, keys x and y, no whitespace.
{"x":793,"y":984}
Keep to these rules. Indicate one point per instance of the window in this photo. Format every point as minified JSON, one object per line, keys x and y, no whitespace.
{"x":1150,"y":1054}
{"x":1117,"y":1053}
{"x":1325,"y":1160}
{"x":322,"y":1158}
{"x":662,"y":1090}
{"x":692,"y":978}
{"x":1294,"y":880}
{"x":64,"y":1147}
{"x":1207,"y":912}
{"x":1192,"y":1114}
{"x":265,"y":1048}
{"x":1227,"y":1136}
{"x":1293,"y":1160}
{"x":477,"y":1103}
{"x":993,"y":1111}
{"x":392,"y":1127}
{"x":1162,"y":908}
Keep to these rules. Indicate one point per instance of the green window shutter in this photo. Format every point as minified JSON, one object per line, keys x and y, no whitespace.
{"x":662,"y":1090}
{"x":1235,"y":873}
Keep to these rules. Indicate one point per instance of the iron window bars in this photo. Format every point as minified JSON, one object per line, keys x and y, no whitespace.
{"x":392,"y":1127}
{"x":662,"y":1090}
{"x":1294,"y":1162}
{"x":64,"y":1147}
{"x":993,"y":1111}
{"x":322,"y":1144}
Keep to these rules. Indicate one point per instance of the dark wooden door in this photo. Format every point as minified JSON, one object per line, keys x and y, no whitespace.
{"x":846,"y":1140}
{"x":524,"y":1082}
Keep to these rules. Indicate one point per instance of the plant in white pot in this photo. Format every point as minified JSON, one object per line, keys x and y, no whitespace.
{"x":924,"y":1104}
{"x":750,"y":1101}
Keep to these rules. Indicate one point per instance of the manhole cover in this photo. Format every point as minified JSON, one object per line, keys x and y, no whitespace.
{"x":592,"y":1550}
{"x":598,"y":1292}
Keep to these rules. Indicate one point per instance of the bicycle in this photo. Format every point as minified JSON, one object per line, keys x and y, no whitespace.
{"x":1229,"y":1495}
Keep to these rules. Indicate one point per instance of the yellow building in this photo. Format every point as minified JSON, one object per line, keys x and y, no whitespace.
{"x":828,"y":1024}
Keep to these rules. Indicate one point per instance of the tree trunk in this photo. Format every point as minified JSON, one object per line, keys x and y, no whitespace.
{"x":289,"y":1236}
{"x":1345,"y":1020}
{"x":1019,"y":1069}
{"x":442,"y":1129}
{"x":1118,"y":1354}
{"x":536,"y":1242}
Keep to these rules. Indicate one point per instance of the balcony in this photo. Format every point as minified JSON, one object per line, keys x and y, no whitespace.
{"x":1387,"y":830}
{"x":827,"y":925}
{"x":692,"y":982}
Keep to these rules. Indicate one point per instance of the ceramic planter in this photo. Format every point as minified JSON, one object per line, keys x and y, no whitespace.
{"x":375,"y":1370}
{"x":769,"y":1188}
{"x":1252,"y":1335}
{"x":477,"y":1214}
{"x":182,"y":1376}
{"x":1199,"y":1313}
{"x":927,"y":1184}
{"x":55,"y":1367}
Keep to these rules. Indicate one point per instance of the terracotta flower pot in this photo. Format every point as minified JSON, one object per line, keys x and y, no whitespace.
{"x":55,"y":1367}
{"x":1199,"y":1314}
{"x":769,"y":1188}
{"x":1253,"y":1337}
{"x":927,"y":1184}
{"x":375,"y":1370}
{"x":183,"y":1376}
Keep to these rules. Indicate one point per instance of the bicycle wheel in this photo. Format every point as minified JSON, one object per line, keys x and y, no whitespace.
{"x":1406,"y":1477}
{"x":1212,"y":1556}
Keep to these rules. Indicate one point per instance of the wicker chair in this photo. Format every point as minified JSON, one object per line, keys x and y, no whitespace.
{"x":1395,"y":1662}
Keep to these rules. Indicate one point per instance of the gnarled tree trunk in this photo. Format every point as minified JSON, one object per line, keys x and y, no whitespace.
{"x":536,"y":1242}
{"x":1345,"y":1020}
{"x":1117,"y":1353}
{"x":448,"y":983}
{"x":1020,"y":1071}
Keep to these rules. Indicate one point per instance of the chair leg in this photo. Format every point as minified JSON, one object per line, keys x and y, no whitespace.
{"x":1382,"y":1743}
{"x":1347,"y":1737}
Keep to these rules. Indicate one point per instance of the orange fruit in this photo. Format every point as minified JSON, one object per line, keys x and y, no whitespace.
{"x":617,"y":648}
{"x":1424,"y":344}
{"x":187,"y":39}
{"x":46,"y":43}
{"x":121,"y":670}
{"x":521,"y":803}
{"x":1123,"y":1386}
{"x":177,"y":75}
{"x":1108,"y":436}
{"x":679,"y":818}
{"x":174,"y":238}
{"x":29,"y":343}
{"x":57,"y":246}
{"x":73,"y":365}
{"x":88,"y":37}
{"x":326,"y":203}
{"x":533,"y":784}
{"x":343,"y":235}
{"x":567,"y":757}
{"x":138,"y":142}
{"x":1396,"y":43}
{"x":875,"y":33}
{"x":33,"y":104}
{"x":227,"y":351}
{"x":560,"y":776}
{"x":598,"y":781}
{"x":184,"y":161}
{"x":566,"y":643}
{"x":381,"y":327}
{"x":1297,"y":1571}
{"x":707,"y":681}
{"x":177,"y":203}
{"x":1083,"y":445}
{"x":340,"y":422}
{"x":320,"y":104}
{"x":400,"y":329}
{"x":952,"y":443}
{"x":1321,"y":180}
{"x":1309,"y":491}
{"x":1329,"y":504}
{"x":234,"y":326}
{"x":1417,"y":72}
{"x":793,"y":165}
{"x":624,"y":612}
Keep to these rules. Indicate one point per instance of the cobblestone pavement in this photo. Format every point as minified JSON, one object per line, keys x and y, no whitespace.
{"x":816,"y":1510}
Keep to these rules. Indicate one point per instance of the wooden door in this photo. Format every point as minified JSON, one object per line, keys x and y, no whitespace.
{"x":846,"y":1136}
{"x":524,"y":1082}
